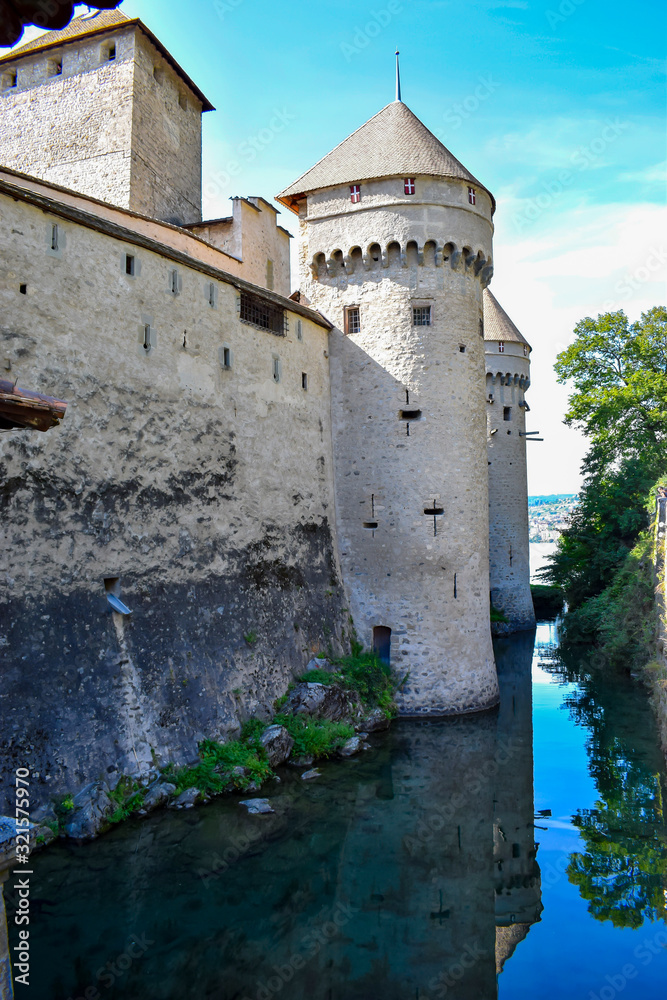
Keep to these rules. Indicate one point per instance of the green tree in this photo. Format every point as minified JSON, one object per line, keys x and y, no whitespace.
{"x":618,"y":371}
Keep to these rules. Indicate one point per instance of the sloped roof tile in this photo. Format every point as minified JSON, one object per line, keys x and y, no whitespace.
{"x":497,"y":324}
{"x":393,"y":143}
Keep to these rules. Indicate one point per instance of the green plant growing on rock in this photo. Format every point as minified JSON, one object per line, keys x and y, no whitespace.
{"x":496,"y":615}
{"x":250,"y":638}
{"x":315,"y":737}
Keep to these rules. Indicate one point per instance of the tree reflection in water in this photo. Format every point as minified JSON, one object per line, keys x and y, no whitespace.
{"x":623,"y":871}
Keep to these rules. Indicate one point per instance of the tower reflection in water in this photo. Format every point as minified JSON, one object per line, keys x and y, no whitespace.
{"x":407,"y":872}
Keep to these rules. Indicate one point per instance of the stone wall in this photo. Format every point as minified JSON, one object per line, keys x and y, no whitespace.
{"x":109,"y":129}
{"x":252,"y":236}
{"x":201,"y":494}
{"x":166,"y":140}
{"x":424,"y":576}
{"x":506,"y":381}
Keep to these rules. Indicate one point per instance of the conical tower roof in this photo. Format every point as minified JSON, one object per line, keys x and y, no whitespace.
{"x":497,"y":324}
{"x":393,"y":143}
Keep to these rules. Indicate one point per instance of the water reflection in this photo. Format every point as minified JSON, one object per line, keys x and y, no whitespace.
{"x":517,"y":874}
{"x":409,"y":872}
{"x":622,"y":872}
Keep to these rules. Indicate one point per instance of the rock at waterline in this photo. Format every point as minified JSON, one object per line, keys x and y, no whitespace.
{"x":277,"y":744}
{"x":307,"y":775}
{"x":186,"y":799}
{"x":322,"y":701}
{"x":157,"y":795}
{"x":352,"y":746}
{"x":90,"y":815}
{"x":374,"y":722}
{"x":257,"y":806}
{"x":301,"y":761}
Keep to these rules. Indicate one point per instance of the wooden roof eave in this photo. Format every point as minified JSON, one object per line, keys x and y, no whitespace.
{"x":20,"y":408}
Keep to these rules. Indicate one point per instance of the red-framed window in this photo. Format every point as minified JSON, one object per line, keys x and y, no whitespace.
{"x":409,"y":185}
{"x":355,"y":193}
{"x":471,"y":196}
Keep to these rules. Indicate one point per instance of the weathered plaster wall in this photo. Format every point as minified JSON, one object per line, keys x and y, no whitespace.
{"x":206,"y":490}
{"x":429,"y":586}
{"x":508,"y":376}
{"x":253,"y":236}
{"x":111,"y":130}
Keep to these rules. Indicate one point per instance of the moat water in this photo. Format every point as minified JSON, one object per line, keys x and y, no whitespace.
{"x":518,"y":854}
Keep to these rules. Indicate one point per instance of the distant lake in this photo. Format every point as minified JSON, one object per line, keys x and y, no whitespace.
{"x":539,"y":553}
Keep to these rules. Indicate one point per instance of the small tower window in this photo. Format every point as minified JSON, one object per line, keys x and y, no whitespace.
{"x":409,"y":185}
{"x":276,"y":368}
{"x":507,"y":412}
{"x":226,"y":356}
{"x":55,"y":67}
{"x":129,"y":263}
{"x":147,"y":343}
{"x":9,"y":79}
{"x":352,"y":320}
{"x":304,"y":381}
{"x":501,"y":347}
{"x":299,"y":330}
{"x":173,"y":281}
{"x":471,"y":196}
{"x":525,"y":350}
{"x":210,"y":294}
{"x":111,"y":52}
{"x":54,"y":237}
{"x":182,"y":100}
{"x":269,"y":275}
{"x":158,"y":75}
{"x":421,"y":315}
{"x":355,"y":193}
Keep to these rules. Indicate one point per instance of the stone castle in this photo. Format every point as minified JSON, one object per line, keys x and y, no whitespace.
{"x":254,"y":473}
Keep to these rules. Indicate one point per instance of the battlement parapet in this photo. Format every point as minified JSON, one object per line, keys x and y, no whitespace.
{"x":394,"y":255}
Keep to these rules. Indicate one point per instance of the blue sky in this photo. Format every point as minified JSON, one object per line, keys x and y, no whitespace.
{"x":557,"y":106}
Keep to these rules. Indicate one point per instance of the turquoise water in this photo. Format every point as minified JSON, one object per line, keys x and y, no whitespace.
{"x":413,"y":871}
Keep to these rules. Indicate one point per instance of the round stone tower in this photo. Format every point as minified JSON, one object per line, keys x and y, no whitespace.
{"x":396,"y":245}
{"x":507,"y":379}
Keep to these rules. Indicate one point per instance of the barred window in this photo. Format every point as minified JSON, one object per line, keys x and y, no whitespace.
{"x":257,"y":312}
{"x":421,"y":315}
{"x":352,"y":320}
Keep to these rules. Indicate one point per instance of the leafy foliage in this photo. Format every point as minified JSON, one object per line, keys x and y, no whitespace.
{"x":619,"y":374}
{"x":547,"y":601}
{"x":621,"y":867}
{"x":315,"y":737}
{"x":621,"y":621}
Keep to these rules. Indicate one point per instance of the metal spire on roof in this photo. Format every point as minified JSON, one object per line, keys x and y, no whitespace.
{"x":398,"y":78}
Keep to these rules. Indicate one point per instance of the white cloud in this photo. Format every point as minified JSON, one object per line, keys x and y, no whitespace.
{"x":571,"y":265}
